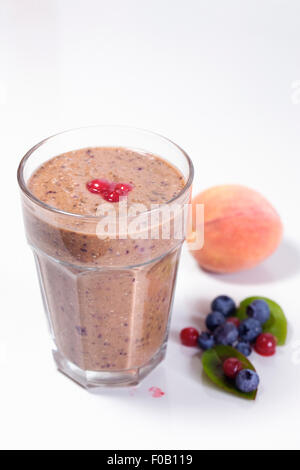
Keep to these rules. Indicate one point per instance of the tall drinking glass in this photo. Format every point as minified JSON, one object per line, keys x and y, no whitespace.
{"x":108,"y":313}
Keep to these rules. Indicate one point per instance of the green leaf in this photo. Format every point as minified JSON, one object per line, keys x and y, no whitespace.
{"x":277,"y":323}
{"x":212,"y":361}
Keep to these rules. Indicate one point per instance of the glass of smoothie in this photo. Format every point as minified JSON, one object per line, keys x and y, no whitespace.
{"x":107,"y":292}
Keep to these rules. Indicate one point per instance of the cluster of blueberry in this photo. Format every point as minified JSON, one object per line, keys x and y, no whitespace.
{"x":226,"y":329}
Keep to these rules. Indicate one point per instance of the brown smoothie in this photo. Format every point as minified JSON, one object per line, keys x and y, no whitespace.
{"x":108,"y":300}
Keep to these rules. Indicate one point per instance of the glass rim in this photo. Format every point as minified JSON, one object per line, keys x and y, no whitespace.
{"x":24,"y":188}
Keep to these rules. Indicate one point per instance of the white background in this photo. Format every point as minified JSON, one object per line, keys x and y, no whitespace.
{"x":222,"y":79}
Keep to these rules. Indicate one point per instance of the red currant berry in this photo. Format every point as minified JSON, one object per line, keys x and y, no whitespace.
{"x":97,"y":186}
{"x":265,"y":344}
{"x":234,"y":320}
{"x":189,"y":336}
{"x":231,"y":367}
{"x":110,"y":195}
{"x":123,"y":189}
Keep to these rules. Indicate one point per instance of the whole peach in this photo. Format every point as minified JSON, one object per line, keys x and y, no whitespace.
{"x":241,"y":228}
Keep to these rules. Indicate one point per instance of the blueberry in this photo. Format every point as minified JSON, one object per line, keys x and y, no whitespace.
{"x":260,"y":310}
{"x":247,"y":380}
{"x":244,"y":348}
{"x":226,"y":334}
{"x":214,"y":319}
{"x":206,"y":341}
{"x":250,"y":329}
{"x":224,"y":304}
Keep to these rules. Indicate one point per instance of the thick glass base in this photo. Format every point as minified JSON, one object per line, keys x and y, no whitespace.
{"x":97,"y":379}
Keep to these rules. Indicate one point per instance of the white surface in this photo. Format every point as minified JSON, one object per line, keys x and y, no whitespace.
{"x":222,"y":80}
